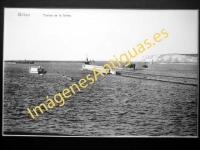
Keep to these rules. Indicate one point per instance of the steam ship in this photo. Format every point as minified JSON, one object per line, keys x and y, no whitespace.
{"x":24,"y":62}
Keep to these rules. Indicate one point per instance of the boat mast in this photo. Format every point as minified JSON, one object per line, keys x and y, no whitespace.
{"x":86,"y":58}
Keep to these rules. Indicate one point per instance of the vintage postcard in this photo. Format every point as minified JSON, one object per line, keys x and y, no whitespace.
{"x":100,"y":72}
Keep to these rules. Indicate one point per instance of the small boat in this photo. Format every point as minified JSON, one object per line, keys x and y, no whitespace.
{"x":145,"y":66}
{"x":41,"y":71}
{"x":37,"y":69}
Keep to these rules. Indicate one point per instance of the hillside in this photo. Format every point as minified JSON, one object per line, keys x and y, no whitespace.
{"x":171,"y":58}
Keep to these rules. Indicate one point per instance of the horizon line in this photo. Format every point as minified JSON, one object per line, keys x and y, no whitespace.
{"x":84,"y":60}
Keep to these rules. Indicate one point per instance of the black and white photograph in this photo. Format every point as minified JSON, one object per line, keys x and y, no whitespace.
{"x":100,"y":72}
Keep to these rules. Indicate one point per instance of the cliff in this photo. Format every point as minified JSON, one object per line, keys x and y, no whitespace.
{"x":171,"y":58}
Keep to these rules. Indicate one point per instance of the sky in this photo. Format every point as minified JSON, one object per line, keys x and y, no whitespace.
{"x":98,"y":33}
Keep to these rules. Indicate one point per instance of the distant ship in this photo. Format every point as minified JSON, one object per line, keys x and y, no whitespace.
{"x":88,"y":62}
{"x":24,"y":62}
